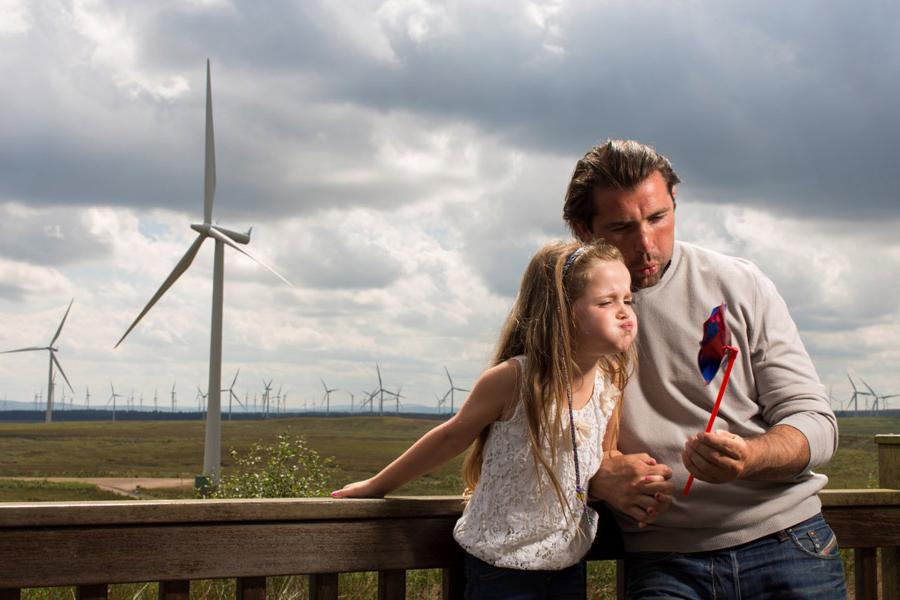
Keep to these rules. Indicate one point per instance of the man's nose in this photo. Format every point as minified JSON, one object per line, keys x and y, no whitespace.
{"x":644,"y":239}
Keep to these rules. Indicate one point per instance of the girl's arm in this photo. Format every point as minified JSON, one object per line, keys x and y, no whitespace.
{"x":491,"y":393}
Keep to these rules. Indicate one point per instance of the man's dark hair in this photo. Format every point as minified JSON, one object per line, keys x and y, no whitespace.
{"x":620,"y":164}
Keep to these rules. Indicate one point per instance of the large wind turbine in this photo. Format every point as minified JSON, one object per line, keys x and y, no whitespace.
{"x":212,"y":448}
{"x":48,"y":415}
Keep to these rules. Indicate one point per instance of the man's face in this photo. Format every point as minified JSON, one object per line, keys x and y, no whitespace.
{"x":640,"y":222}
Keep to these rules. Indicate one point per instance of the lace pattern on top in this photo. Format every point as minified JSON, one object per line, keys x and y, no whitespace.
{"x":514,"y":518}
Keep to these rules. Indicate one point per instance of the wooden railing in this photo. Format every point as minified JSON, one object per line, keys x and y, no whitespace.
{"x":93,"y":544}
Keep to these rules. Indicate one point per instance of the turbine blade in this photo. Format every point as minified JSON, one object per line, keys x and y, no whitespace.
{"x":233,"y":381}
{"x":63,"y":322}
{"x":209,"y":172}
{"x":448,"y":376}
{"x":179,"y":269}
{"x":63,"y":373}
{"x":214,"y":232}
{"x":871,"y":391}
{"x":23,"y":350}
{"x":853,"y":385}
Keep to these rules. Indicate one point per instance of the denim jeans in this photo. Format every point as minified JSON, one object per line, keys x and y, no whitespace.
{"x":487,"y":582}
{"x":798,"y":562}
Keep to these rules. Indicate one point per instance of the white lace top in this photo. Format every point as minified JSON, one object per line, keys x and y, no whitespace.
{"x":515,"y":521}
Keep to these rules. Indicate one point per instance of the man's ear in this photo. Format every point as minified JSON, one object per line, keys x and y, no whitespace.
{"x":583,"y":232}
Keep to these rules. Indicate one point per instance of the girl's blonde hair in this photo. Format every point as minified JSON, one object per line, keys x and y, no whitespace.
{"x":541,"y":327}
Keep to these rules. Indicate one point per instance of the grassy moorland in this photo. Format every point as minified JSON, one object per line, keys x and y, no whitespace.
{"x":359,"y":447}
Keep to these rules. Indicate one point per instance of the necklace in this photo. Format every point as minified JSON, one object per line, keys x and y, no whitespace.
{"x":579,"y":490}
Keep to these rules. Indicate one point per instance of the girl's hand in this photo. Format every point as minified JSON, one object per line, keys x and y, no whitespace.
{"x":358,"y":489}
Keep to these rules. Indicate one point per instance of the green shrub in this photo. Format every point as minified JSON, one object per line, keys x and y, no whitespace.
{"x":288,"y":468}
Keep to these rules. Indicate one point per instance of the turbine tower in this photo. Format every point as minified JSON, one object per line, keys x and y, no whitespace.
{"x":173,"y":396}
{"x":212,"y":448}
{"x":451,"y":391}
{"x":48,"y":415}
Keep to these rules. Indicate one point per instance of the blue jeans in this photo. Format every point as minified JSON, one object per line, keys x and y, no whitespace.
{"x":798,"y":562}
{"x":487,"y":582}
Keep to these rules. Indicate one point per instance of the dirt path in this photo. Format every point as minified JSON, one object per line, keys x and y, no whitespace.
{"x":124,"y":486}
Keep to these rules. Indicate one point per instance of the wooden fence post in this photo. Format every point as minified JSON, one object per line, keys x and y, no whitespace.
{"x":392,"y":585}
{"x":175,"y":590}
{"x":323,"y":586}
{"x":889,"y":477}
{"x":250,"y":588}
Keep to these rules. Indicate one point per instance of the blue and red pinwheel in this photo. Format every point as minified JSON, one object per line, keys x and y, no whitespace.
{"x":715,"y":343}
{"x":714,"y":347}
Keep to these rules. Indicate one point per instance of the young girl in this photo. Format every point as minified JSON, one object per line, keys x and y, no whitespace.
{"x":539,"y":420}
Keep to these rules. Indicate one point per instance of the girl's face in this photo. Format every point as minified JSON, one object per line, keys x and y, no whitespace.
{"x":604,"y":319}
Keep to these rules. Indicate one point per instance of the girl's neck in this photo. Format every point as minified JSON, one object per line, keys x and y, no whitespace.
{"x":587,"y":370}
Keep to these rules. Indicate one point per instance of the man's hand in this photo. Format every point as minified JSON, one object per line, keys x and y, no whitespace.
{"x":719,"y":457}
{"x":633,"y":484}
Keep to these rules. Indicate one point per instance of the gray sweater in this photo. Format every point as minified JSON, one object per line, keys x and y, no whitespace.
{"x":773,"y":382}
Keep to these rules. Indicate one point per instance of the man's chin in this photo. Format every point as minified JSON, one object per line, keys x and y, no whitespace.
{"x":639,"y":283}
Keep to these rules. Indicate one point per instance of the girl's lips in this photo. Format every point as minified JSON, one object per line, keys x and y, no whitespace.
{"x":627,"y":326}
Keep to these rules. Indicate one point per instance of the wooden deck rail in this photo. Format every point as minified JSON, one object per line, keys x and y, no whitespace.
{"x":93,"y":544}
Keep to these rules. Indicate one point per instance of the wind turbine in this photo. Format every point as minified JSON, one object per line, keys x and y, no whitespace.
{"x":326,"y":398}
{"x":87,"y":397}
{"x":48,"y":416}
{"x":232,"y":395}
{"x":267,"y":389}
{"x":212,"y":448}
{"x":201,"y":398}
{"x":878,"y":397}
{"x":451,"y":391}
{"x":397,"y":395}
{"x":173,"y":396}
{"x":854,"y":399}
{"x":112,"y":398}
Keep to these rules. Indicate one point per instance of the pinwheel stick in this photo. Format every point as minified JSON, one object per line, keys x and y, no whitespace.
{"x":732,"y":352}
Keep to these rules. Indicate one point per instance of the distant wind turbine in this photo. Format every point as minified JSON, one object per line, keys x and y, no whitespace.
{"x":451,"y":391}
{"x":326,"y":398}
{"x":212,"y":448}
{"x":232,"y":395}
{"x":112,"y":398}
{"x":48,"y":415}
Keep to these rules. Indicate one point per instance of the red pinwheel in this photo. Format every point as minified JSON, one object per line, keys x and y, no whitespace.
{"x":714,"y":347}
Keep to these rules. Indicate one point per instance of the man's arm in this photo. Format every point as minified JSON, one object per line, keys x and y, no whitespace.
{"x":718,"y":457}
{"x":633,"y":484}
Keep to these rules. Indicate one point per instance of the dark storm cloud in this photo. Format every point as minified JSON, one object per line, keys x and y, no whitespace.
{"x":789,"y":107}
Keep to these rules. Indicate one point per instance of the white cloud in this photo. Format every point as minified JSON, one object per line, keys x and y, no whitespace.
{"x":15,"y":18}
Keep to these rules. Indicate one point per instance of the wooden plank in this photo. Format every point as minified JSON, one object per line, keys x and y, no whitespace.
{"x":453,"y":581}
{"x":620,"y":579}
{"x":864,"y":527}
{"x":865,"y":573}
{"x":323,"y":586}
{"x":890,"y":573}
{"x":133,"y":512}
{"x":175,"y":590}
{"x":77,"y":556}
{"x":91,"y":592}
{"x":250,"y":588}
{"x":10,"y":594}
{"x":392,"y":585}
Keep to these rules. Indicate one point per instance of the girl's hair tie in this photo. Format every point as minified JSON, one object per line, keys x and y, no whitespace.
{"x":571,"y":259}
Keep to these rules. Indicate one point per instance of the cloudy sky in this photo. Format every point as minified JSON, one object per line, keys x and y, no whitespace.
{"x":399,"y":161}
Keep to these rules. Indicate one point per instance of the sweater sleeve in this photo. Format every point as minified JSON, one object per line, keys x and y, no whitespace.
{"x":788,"y":387}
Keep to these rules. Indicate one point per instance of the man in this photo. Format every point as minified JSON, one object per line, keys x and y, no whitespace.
{"x":751,"y":526}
